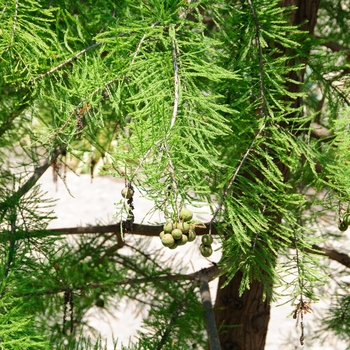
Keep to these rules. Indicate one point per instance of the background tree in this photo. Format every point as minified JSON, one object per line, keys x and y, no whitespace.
{"x":238,"y":105}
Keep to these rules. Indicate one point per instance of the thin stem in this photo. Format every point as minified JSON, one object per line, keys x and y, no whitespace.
{"x":77,"y":108}
{"x":138,"y":47}
{"x":66,"y":62}
{"x":246,"y":154}
{"x":176,"y":81}
{"x":4,"y":9}
{"x":12,"y":242}
{"x":14,"y":24}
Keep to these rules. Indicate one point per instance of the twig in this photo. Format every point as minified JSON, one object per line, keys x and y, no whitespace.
{"x":212,"y":332}
{"x":38,"y":172}
{"x":138,"y":47}
{"x":174,"y":116}
{"x":65,"y":62}
{"x":335,"y":47}
{"x":77,"y":109}
{"x":236,"y":174}
{"x":4,"y":9}
{"x":212,"y":273}
{"x":7,"y":123}
{"x":11,"y":248}
{"x":176,"y":80}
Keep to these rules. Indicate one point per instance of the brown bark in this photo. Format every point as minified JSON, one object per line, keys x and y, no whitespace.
{"x":243,"y":321}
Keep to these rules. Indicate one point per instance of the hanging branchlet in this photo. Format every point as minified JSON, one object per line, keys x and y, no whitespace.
{"x":68,"y":301}
{"x":56,"y":168}
{"x":174,"y":116}
{"x":301,"y":308}
{"x":128,"y":193}
{"x":93,"y":163}
{"x":264,"y":114}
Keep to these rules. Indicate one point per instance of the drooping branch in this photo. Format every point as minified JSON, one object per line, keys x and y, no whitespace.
{"x":13,"y":115}
{"x":263,"y":112}
{"x":14,"y":25}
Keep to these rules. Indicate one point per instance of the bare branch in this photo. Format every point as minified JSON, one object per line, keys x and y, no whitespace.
{"x":212,"y":332}
{"x":336,"y":47}
{"x":137,"y":229}
{"x":153,"y":231}
{"x":38,"y":172}
{"x":341,"y":258}
{"x":320,"y":132}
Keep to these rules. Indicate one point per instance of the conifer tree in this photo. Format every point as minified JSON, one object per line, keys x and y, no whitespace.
{"x":241,"y":106}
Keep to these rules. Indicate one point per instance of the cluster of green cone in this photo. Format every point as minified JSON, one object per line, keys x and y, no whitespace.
{"x":178,"y":233}
{"x":205,"y":248}
{"x":175,"y":234}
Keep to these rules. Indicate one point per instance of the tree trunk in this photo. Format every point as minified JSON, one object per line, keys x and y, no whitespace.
{"x":243,"y":321}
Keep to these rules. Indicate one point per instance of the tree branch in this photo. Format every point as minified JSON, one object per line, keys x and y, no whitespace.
{"x":341,"y":258}
{"x":38,"y":172}
{"x":320,"y":132}
{"x":154,"y":230}
{"x":137,"y":229}
{"x":336,"y":47}
{"x":212,"y":272}
{"x":212,"y":332}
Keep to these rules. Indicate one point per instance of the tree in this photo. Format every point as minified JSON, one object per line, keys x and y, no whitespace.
{"x":238,"y":105}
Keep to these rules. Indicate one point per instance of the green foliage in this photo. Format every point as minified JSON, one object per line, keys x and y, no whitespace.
{"x":201,"y":103}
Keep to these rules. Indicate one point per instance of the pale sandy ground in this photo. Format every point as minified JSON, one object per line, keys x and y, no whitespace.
{"x":90,"y":203}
